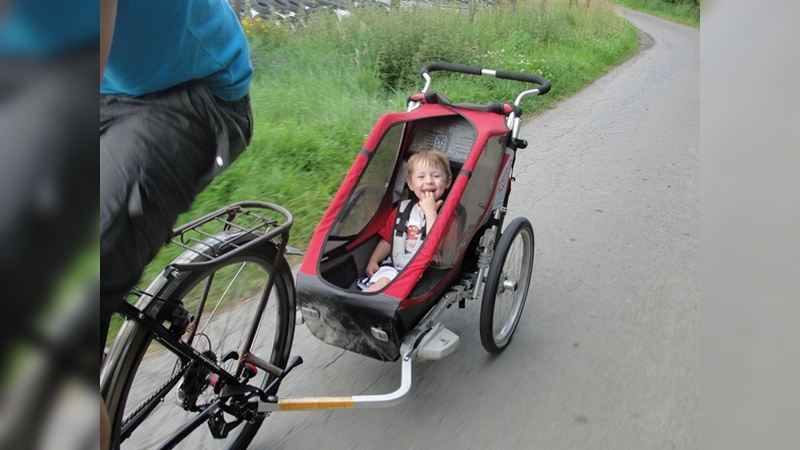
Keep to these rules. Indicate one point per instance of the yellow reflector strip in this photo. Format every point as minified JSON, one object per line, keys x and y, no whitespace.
{"x":304,"y":404}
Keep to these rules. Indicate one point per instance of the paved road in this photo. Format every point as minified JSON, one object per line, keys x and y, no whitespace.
{"x":607,"y":353}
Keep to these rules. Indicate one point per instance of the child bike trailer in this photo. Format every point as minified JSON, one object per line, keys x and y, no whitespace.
{"x":480,"y":142}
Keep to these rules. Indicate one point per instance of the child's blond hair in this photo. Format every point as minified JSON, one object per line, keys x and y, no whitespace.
{"x":431,"y":155}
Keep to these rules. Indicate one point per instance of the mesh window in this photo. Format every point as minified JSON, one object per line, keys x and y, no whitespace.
{"x":368,"y":194}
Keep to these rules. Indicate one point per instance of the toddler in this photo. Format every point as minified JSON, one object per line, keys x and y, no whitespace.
{"x":428,"y":176}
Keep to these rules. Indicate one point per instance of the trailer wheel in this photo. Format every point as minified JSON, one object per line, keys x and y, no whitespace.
{"x":507,"y":284}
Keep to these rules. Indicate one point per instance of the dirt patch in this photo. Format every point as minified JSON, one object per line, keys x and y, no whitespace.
{"x":645,"y":40}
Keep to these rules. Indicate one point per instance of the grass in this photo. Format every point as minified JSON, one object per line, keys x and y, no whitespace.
{"x":318,"y":93}
{"x":318,"y":90}
{"x":686,"y":12}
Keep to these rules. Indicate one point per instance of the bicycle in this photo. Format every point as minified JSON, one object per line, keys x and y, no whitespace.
{"x":180,"y":360}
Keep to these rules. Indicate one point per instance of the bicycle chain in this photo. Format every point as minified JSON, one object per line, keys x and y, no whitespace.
{"x":177,"y":375}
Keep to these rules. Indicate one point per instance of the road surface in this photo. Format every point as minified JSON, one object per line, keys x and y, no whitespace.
{"x":607,"y":352}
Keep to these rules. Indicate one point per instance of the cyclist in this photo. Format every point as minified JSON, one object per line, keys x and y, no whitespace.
{"x":174,"y":112}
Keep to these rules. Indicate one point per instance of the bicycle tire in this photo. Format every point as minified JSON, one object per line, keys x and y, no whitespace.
{"x":507,"y":284}
{"x":136,"y":353}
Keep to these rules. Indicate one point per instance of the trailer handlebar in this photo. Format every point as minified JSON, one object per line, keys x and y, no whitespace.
{"x":544,"y":83}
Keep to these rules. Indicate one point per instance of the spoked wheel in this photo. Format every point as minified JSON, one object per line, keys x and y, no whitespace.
{"x":507,"y":284}
{"x":152,"y":393}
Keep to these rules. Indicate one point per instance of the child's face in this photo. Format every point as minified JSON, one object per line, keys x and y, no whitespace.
{"x":425,"y":178}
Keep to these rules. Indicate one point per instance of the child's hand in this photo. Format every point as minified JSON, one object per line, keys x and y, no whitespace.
{"x":382,"y":250}
{"x":372,"y":268}
{"x":429,"y":204}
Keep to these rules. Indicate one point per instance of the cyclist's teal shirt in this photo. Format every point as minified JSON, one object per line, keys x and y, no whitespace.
{"x":161,"y":53}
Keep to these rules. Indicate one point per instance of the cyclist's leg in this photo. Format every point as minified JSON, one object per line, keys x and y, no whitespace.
{"x":156,"y":154}
{"x":151,"y":155}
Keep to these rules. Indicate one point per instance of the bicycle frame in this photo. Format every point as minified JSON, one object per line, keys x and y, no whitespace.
{"x":231,"y":386}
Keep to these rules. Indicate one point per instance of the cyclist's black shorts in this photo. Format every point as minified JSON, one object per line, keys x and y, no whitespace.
{"x":156,"y":154}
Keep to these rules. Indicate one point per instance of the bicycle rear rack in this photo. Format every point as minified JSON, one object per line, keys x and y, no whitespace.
{"x":231,"y":226}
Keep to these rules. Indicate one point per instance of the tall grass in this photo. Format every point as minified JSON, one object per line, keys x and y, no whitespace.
{"x":318,"y":90}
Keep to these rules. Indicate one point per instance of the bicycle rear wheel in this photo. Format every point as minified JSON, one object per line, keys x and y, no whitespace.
{"x":151,"y":392}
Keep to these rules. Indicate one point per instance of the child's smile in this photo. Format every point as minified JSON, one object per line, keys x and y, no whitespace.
{"x":428,"y":181}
